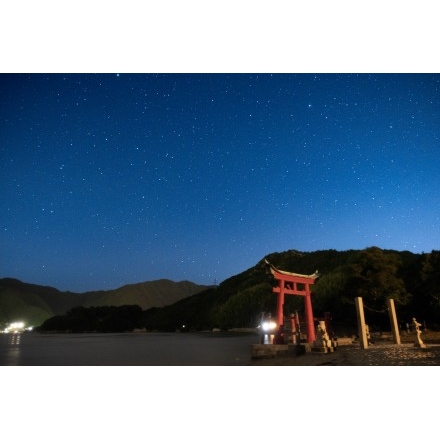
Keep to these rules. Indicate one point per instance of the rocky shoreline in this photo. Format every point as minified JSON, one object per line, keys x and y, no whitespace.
{"x":380,"y":354}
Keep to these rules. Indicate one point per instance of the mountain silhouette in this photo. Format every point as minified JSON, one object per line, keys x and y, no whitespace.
{"x":33,"y":304}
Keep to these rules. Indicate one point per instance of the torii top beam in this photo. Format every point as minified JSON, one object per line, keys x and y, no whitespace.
{"x":292,"y":277}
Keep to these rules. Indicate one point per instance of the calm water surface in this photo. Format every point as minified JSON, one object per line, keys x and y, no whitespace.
{"x":125,"y":349}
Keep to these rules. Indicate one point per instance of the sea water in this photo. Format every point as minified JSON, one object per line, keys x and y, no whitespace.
{"x":126,"y":349}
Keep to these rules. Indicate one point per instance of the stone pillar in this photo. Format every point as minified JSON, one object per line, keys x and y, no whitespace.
{"x":393,"y":321}
{"x":361,"y":322}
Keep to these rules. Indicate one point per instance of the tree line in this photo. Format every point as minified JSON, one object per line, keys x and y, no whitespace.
{"x":103,"y":319}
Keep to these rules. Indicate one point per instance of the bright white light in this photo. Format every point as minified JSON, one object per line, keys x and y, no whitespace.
{"x":15,"y":327}
{"x":268,"y":325}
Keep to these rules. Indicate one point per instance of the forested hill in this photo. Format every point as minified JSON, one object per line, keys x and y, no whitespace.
{"x":412,"y":280}
{"x":34,"y":304}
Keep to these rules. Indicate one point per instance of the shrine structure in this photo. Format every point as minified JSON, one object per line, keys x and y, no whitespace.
{"x":294,"y":284}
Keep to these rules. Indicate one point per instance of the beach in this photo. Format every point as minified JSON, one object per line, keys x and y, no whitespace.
{"x":380,"y":354}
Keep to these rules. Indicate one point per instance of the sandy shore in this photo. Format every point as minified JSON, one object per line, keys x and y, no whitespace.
{"x":352,"y":355}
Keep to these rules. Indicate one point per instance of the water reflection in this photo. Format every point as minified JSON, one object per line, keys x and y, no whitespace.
{"x":14,"y":339}
{"x":12,"y":349}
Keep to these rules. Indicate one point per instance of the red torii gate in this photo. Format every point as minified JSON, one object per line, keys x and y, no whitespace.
{"x":288,"y":284}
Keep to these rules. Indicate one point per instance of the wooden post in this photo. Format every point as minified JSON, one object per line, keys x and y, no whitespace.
{"x":311,"y":336}
{"x":280,"y":305}
{"x":361,"y":322}
{"x":393,"y":321}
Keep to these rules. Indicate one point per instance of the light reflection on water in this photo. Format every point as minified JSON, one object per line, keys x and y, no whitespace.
{"x":13,"y":349}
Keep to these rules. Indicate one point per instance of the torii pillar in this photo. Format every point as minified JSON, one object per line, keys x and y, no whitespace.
{"x":294,"y":284}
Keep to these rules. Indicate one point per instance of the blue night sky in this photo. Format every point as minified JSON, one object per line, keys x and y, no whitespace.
{"x":111,"y":179}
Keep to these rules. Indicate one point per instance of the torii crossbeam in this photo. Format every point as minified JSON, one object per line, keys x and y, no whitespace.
{"x":294,"y":284}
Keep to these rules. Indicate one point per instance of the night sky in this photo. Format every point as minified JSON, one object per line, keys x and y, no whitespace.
{"x":112,"y":179}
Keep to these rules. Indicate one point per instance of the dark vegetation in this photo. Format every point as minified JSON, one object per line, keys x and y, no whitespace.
{"x":412,"y":280}
{"x":96,"y":319}
{"x":35,"y":304}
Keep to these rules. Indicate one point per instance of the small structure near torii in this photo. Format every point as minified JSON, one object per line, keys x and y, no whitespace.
{"x":323,"y":342}
{"x":290,"y":283}
{"x":418,"y":342}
